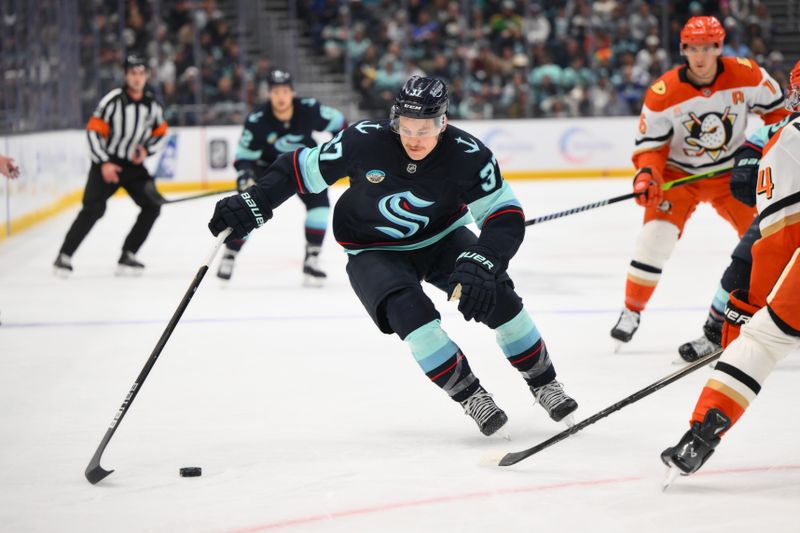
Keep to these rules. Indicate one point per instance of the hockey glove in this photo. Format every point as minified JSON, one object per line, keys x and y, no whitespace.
{"x":245,"y":179}
{"x":475,"y":271}
{"x":242,"y":213}
{"x":738,"y":312}
{"x":647,"y":186}
{"x":745,"y":174}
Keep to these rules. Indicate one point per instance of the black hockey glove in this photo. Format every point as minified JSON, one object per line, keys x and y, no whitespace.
{"x":245,"y":179}
{"x":476,"y":272}
{"x":745,"y":174}
{"x":242,"y":212}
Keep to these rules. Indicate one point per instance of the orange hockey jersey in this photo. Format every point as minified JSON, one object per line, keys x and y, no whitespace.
{"x":695,"y":129}
{"x":778,"y":202}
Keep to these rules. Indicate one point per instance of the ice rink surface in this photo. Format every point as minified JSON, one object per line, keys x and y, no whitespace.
{"x":304,"y":417}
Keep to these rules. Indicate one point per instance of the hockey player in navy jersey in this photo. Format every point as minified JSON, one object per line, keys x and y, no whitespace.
{"x":283,"y":124}
{"x":415,"y":183}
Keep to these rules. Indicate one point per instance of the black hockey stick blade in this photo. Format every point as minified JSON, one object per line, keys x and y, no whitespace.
{"x":94,"y":472}
{"x":515,"y":457}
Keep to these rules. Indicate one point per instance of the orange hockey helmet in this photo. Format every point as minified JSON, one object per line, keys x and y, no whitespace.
{"x":703,"y":30}
{"x":793,"y":94}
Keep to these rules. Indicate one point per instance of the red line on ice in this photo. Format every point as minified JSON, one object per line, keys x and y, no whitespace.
{"x":292,"y":522}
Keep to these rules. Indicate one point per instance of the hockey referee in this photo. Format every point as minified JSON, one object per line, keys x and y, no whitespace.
{"x":127,"y":127}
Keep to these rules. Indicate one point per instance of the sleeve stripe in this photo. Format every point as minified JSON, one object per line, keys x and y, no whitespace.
{"x":504,"y":212}
{"x":298,"y":178}
{"x":160,"y":130}
{"x":99,"y":125}
{"x":770,"y":106}
{"x":661,"y":139}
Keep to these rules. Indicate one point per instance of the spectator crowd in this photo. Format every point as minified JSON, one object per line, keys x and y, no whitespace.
{"x":522,"y":58}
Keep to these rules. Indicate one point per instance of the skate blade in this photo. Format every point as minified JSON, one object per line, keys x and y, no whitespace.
{"x":61,"y":273}
{"x":312,"y":281}
{"x":672,"y":473}
{"x":492,"y":458}
{"x":128,"y":272}
{"x":618,"y":345}
{"x":569,"y":420}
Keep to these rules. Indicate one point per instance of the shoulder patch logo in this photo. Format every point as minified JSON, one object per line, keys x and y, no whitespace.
{"x":744,"y":62}
{"x":659,"y":87}
{"x":362,"y":127}
{"x":473,"y":146}
{"x":375,"y":176}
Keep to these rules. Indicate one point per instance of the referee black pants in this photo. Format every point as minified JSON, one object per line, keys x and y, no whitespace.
{"x":141,"y":188}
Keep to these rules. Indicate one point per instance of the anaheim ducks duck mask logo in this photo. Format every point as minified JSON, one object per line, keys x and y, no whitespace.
{"x":709,"y":133}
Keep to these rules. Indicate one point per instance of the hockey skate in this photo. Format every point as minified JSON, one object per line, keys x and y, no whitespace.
{"x":312,"y":275}
{"x":696,"y":446}
{"x":128,"y":265}
{"x":555,"y":401}
{"x":626,"y":326}
{"x":484,"y":412}
{"x":225,"y":270}
{"x":710,"y":342}
{"x":62,"y":267}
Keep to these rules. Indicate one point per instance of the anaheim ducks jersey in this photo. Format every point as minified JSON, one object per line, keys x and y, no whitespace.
{"x":697,"y":129}
{"x":778,"y":203}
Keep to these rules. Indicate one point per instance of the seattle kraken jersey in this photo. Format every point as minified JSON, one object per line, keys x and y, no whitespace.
{"x":397,"y":203}
{"x":264,"y":137}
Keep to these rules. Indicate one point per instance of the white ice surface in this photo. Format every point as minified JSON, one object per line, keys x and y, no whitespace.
{"x":304,"y":417}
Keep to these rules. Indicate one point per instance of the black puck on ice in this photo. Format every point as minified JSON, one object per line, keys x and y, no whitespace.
{"x":191,"y":471}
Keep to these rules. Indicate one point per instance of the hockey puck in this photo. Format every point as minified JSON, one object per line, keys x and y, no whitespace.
{"x":191,"y":471}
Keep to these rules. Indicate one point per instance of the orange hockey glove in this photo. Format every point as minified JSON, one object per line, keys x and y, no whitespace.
{"x":647,"y":185}
{"x":738,"y":312}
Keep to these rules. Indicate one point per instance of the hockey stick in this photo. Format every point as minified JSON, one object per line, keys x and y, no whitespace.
{"x":196,"y":196}
{"x":515,"y":457}
{"x":94,"y":472}
{"x":665,"y":187}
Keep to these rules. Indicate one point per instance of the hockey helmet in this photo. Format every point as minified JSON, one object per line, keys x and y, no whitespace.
{"x":421,"y":98}
{"x":279,"y":77}
{"x":793,"y":92}
{"x":703,"y":30}
{"x":134,"y":61}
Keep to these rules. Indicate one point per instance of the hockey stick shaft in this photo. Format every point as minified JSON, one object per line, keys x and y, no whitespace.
{"x":515,"y":457}
{"x":594,"y":205}
{"x":94,"y":472}
{"x":200,"y":195}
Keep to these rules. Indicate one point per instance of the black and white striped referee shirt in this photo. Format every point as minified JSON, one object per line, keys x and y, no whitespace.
{"x":120,"y":123}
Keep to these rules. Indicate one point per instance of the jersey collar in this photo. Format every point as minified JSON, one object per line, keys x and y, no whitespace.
{"x":684,"y":78}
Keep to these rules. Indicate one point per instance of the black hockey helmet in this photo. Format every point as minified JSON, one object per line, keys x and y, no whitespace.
{"x":134,"y":61}
{"x":421,"y":97}
{"x":279,"y":77}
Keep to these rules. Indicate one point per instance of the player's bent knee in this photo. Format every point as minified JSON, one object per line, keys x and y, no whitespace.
{"x":509,"y":304}
{"x":772,"y":340}
{"x":656,"y":242}
{"x":408,"y":309}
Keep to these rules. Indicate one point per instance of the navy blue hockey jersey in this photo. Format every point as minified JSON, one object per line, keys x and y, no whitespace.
{"x":397,"y":203}
{"x":264,"y":137}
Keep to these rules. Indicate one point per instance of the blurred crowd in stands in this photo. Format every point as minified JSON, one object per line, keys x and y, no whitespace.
{"x":502,"y":58}
{"x":197,"y":68}
{"x":522,"y":58}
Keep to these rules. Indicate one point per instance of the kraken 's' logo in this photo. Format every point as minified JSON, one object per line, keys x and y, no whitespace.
{"x":289,"y":143}
{"x":397,"y":210}
{"x":709,"y":133}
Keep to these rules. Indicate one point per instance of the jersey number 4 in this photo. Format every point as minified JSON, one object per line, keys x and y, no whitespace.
{"x":765,"y":184}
